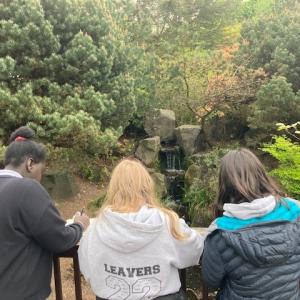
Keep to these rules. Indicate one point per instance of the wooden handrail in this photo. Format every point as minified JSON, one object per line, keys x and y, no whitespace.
{"x":72,"y":253}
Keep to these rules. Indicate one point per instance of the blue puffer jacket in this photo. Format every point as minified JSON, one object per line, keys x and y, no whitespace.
{"x":256,"y":258}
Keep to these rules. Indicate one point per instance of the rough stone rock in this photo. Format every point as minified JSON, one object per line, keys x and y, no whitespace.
{"x":188,"y":138}
{"x":60,"y":185}
{"x":161,"y":122}
{"x":192,"y":173}
{"x":199,"y":159}
{"x":160,"y":183}
{"x":148,"y":150}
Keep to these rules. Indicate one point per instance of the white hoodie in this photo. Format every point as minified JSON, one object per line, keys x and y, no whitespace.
{"x":134,"y":256}
{"x":247,"y":210}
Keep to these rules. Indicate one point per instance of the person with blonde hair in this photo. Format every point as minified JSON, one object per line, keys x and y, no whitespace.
{"x":135,"y":247}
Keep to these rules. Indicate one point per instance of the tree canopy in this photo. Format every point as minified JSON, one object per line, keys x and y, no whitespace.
{"x":66,"y":69}
{"x":79,"y":71}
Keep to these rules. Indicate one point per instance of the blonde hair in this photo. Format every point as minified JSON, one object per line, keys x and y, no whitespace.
{"x":131,"y":187}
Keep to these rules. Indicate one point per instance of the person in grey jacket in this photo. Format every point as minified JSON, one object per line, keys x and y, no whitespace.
{"x":253,"y":247}
{"x":31,"y":229}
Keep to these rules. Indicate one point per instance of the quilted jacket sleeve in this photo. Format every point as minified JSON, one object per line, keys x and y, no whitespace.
{"x":213,"y":271}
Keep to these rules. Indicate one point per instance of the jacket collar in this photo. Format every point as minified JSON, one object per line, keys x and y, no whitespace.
{"x":10,"y":173}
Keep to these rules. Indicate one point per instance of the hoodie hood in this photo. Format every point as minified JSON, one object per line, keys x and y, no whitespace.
{"x":129,"y":232}
{"x":247,"y":210}
{"x":240,"y":215}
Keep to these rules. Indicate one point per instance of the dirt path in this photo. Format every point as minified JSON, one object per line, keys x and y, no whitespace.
{"x":67,"y":208}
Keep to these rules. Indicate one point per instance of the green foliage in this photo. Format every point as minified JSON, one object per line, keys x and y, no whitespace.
{"x":272,"y":42}
{"x":177,"y":37}
{"x":200,"y":205}
{"x":92,"y":168}
{"x":58,"y":157}
{"x":97,"y":203}
{"x":78,"y":71}
{"x":276,"y":102}
{"x":168,"y":26}
{"x":2,"y":152}
{"x":93,"y":172}
{"x":256,"y":8}
{"x":7,"y":67}
{"x":67,"y":70}
{"x":288,"y":156}
{"x":202,"y":193}
{"x":210,"y":161}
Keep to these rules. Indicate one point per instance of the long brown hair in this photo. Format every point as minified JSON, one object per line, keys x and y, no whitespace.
{"x":242,"y":178}
{"x":131,"y":187}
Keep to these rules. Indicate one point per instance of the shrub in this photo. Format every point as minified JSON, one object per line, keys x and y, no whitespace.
{"x":67,"y":71}
{"x":202,"y":192}
{"x":288,"y":155}
{"x":200,"y":204}
{"x":276,"y":102}
{"x":271,"y":42}
{"x":92,"y":168}
{"x":95,"y":205}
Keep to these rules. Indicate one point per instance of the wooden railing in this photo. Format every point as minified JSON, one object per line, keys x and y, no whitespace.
{"x":72,"y":253}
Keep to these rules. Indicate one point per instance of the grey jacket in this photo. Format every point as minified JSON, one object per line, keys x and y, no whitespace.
{"x":258,"y":261}
{"x":31,"y":229}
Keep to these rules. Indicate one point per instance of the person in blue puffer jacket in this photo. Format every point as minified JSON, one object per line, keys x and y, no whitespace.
{"x":252,"y":250}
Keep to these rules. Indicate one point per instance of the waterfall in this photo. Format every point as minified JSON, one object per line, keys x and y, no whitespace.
{"x":171,"y":160}
{"x":171,"y":166}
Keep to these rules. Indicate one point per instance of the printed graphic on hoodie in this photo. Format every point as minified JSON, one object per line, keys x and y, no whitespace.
{"x":144,"y":287}
{"x":134,"y":256}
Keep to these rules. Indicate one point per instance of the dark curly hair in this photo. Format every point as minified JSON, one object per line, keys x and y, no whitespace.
{"x":22,"y":146}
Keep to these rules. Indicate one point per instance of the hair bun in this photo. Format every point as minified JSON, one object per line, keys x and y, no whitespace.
{"x":24,"y":132}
